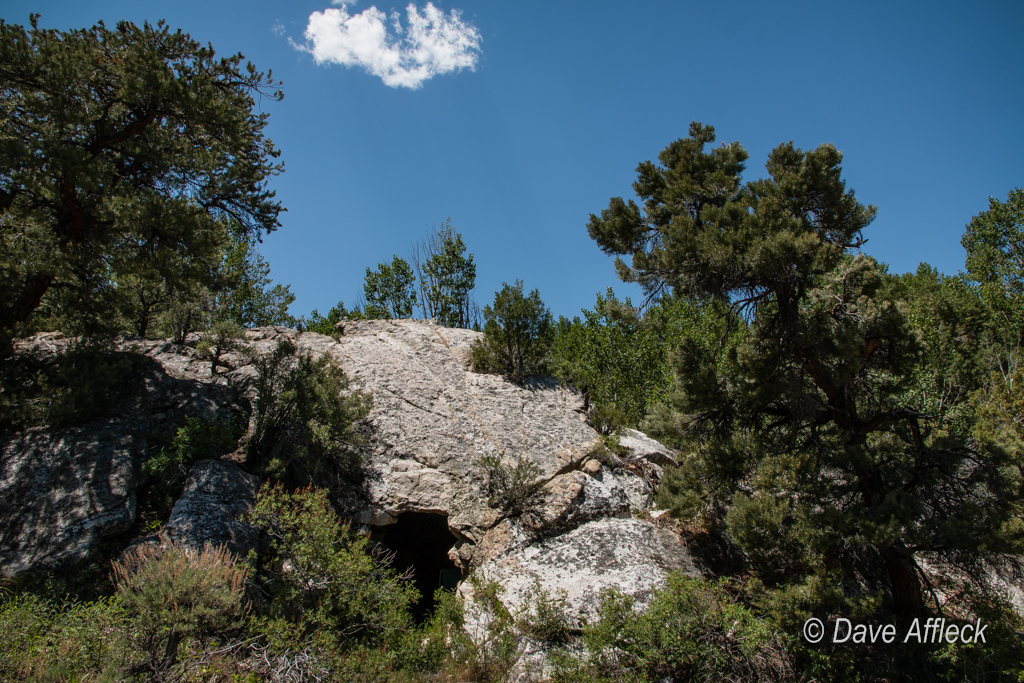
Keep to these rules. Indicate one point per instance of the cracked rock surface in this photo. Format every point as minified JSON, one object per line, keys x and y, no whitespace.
{"x":432,"y":420}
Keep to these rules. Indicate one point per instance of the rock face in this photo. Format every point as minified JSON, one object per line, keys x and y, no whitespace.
{"x":628,"y":555}
{"x":62,"y":492}
{"x":217,"y":494}
{"x":432,"y":421}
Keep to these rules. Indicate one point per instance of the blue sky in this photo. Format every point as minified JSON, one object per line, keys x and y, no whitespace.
{"x":564,"y":99}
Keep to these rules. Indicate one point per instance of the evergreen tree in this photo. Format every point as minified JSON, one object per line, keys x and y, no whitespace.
{"x":123,"y":154}
{"x":517,"y":333}
{"x":833,"y":481}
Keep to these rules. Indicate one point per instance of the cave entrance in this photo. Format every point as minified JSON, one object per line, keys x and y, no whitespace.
{"x":422,"y":541}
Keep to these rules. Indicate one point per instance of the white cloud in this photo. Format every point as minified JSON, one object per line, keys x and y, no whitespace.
{"x":431,"y":43}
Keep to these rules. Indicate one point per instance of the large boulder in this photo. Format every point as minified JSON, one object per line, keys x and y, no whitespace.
{"x":212,"y":507}
{"x":62,"y":492}
{"x":433,"y":420}
{"x":631,"y":556}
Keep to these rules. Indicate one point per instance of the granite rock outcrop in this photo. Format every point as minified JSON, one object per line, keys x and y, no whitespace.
{"x":432,"y":421}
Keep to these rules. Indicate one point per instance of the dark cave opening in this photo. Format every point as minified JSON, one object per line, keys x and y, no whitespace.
{"x":422,"y":541}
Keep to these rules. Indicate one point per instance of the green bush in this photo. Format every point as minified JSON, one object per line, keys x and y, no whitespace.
{"x":511,"y":488}
{"x":517,"y":334}
{"x":618,"y":354}
{"x":223,"y":336}
{"x":325,"y":581}
{"x":177,"y":593}
{"x":45,"y":640}
{"x":326,"y":324}
{"x":305,"y":419}
{"x":170,"y":457}
{"x":692,"y":631}
{"x":608,"y":419}
{"x":544,"y":617}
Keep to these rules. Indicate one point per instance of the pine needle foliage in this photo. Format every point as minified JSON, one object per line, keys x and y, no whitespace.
{"x":305,"y":418}
{"x":805,"y":423}
{"x":518,"y":332}
{"x":124,"y":153}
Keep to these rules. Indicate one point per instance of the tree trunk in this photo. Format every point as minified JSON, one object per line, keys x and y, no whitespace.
{"x":19,"y":307}
{"x":171,"y":652}
{"x":903,"y":580}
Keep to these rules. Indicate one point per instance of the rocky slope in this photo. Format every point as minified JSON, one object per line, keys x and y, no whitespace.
{"x":62,"y":492}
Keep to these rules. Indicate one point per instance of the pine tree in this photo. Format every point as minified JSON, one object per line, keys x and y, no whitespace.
{"x":808,"y":443}
{"x":517,"y":334}
{"x":122,"y":151}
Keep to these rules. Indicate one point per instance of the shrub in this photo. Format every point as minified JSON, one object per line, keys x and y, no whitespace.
{"x":544,"y":617}
{"x":324,"y":580}
{"x":608,"y":419}
{"x":517,"y":333}
{"x":46,"y":640}
{"x":222,"y":337}
{"x":495,"y":644}
{"x":305,"y":418}
{"x":171,"y":457}
{"x":175,"y":593}
{"x":511,"y":488}
{"x":692,"y":631}
{"x":326,"y":324}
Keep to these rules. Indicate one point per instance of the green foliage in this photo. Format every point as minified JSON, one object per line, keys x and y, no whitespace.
{"x":446,"y":277}
{"x":956,"y":329}
{"x":122,"y":153}
{"x":84,"y":381}
{"x":618,"y":356}
{"x":511,"y":487}
{"x":222,"y":337}
{"x":517,"y":334}
{"x":390,"y":291}
{"x":545,"y":617}
{"x":495,"y":642}
{"x":809,"y":420}
{"x":679,"y":197}
{"x":244,"y":293}
{"x":170,"y":457}
{"x":326,"y":324}
{"x":608,"y":419}
{"x":994,"y":241}
{"x":305,"y":418}
{"x":62,"y":641}
{"x":324,"y":578}
{"x":692,"y":631}
{"x":177,"y":593}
